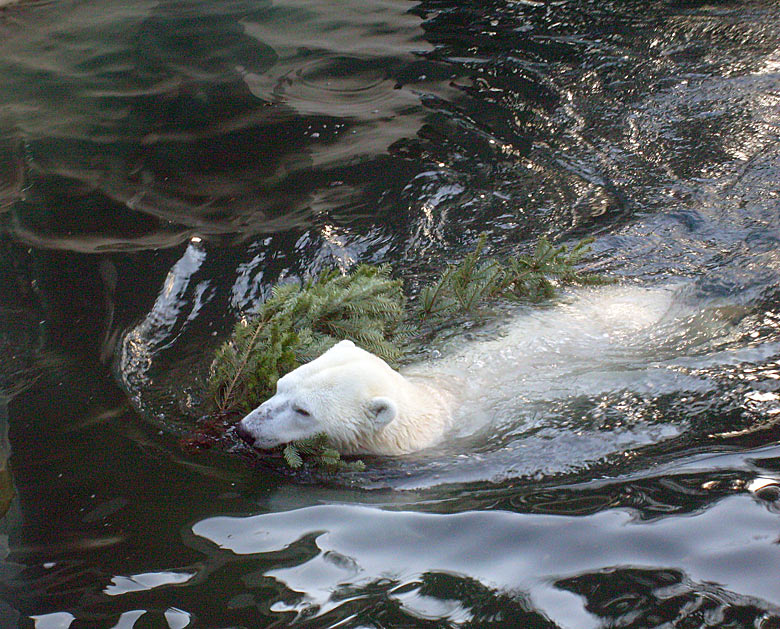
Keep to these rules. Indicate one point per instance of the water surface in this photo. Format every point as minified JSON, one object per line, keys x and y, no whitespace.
{"x":162,"y":164}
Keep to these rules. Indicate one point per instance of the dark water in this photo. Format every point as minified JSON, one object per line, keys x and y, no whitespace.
{"x":163,"y":163}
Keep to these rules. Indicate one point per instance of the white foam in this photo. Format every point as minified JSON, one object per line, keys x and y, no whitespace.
{"x":595,"y":341}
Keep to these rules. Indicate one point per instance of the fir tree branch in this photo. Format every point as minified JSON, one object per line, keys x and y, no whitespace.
{"x":240,"y":367}
{"x":298,"y":322}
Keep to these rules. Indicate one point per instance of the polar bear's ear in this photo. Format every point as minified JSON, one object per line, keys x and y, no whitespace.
{"x":382,"y":410}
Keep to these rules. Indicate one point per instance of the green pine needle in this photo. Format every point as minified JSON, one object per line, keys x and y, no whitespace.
{"x":292,"y":456}
{"x":321,"y":453}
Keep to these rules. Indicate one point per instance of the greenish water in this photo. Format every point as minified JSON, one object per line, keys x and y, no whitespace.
{"x":163,"y":163}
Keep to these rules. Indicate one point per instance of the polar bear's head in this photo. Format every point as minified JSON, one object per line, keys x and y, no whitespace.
{"x":347,"y":393}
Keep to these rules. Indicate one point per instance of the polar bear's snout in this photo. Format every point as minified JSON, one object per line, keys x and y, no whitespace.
{"x":250,"y":428}
{"x":277,"y":421}
{"x":244,"y":433}
{"x":244,"y":427}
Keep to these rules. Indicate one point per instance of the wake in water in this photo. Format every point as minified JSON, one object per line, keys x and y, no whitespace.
{"x":570,"y":385}
{"x":591,"y":342}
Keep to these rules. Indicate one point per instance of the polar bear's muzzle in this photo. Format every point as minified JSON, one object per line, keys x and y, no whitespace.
{"x":243,"y":432}
{"x":274,"y":423}
{"x":251,"y":429}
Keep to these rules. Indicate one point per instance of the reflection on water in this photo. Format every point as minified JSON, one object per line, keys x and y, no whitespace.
{"x":186,"y":118}
{"x":358,"y":67}
{"x":158,"y":330}
{"x":142,"y":582}
{"x":334,"y":556}
{"x":162,"y":164}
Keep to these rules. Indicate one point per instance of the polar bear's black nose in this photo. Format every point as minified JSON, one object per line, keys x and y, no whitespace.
{"x":245,"y":435}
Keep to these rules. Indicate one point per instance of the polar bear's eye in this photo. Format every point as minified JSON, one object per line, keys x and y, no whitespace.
{"x":301,"y":411}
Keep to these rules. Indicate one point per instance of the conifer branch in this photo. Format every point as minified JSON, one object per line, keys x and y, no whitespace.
{"x":298,"y":322}
{"x":241,"y":366}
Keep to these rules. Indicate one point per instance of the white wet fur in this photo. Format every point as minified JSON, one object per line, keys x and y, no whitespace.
{"x":596,"y":340}
{"x":364,"y":406}
{"x":355,"y":398}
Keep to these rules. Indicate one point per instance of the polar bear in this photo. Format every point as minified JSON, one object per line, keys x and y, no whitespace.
{"x":356,"y":399}
{"x":596,"y":340}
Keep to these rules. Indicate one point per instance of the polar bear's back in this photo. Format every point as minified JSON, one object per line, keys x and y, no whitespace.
{"x":581,"y":346}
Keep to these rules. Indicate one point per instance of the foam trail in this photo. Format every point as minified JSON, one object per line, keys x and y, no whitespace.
{"x":596,"y":341}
